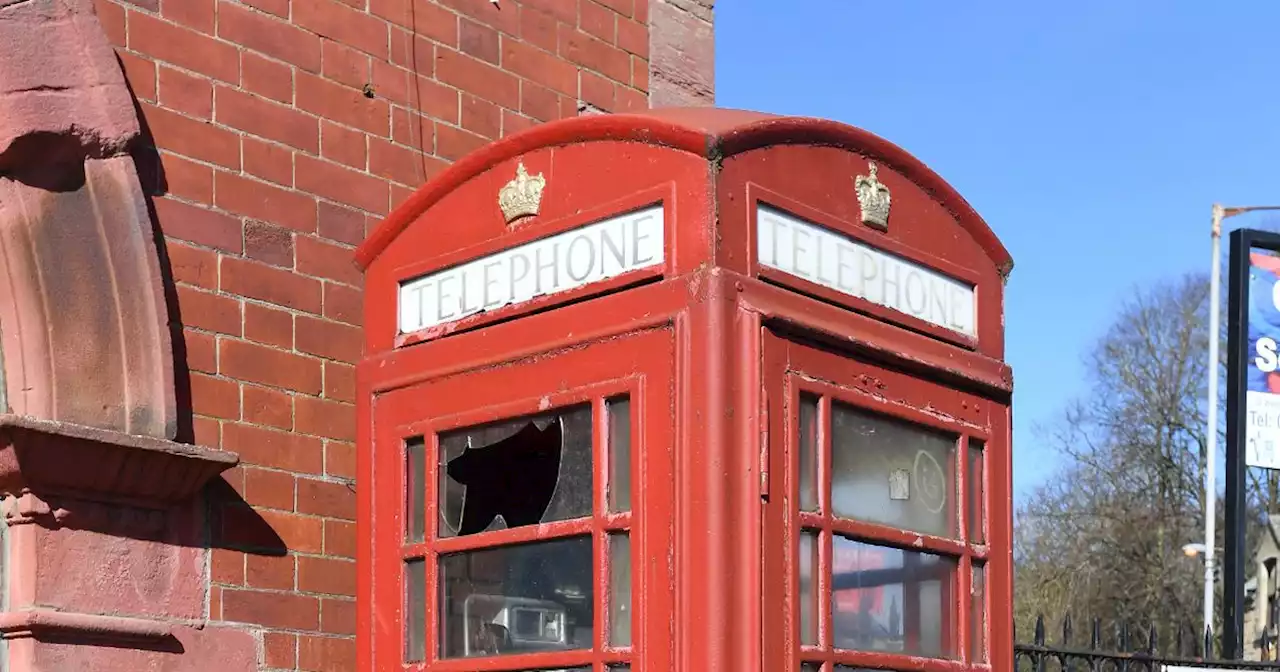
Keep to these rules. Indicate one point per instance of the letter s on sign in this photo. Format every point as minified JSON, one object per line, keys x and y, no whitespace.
{"x":1266,"y":360}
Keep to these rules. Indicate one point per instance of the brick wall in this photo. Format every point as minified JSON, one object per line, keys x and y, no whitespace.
{"x":282,"y":130}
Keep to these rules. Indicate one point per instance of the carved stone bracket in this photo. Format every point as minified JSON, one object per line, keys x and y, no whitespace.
{"x":57,"y":458}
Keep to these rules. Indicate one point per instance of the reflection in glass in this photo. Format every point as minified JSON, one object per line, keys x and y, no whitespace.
{"x":809,"y":453}
{"x":890,"y":599}
{"x":415,"y":610}
{"x":810,"y":667}
{"x":619,"y":590}
{"x":520,"y":472}
{"x":620,"y":455}
{"x":978,"y":615}
{"x":808,"y":587}
{"x":415,"y":479}
{"x":619,"y":667}
{"x":517,"y":599}
{"x":975,"y":511}
{"x":891,"y":472}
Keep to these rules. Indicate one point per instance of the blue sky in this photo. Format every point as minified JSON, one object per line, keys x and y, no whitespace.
{"x":1093,"y":136}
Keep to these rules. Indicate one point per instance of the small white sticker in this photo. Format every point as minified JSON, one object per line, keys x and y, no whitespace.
{"x":899,"y":484}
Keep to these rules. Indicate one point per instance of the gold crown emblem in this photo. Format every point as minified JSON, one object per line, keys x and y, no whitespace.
{"x":873,"y":199}
{"x":522,"y":196}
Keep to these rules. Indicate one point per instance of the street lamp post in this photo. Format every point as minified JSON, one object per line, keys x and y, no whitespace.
{"x":1210,"y":487}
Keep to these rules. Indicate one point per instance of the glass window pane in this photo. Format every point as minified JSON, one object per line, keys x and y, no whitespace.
{"x":521,"y":472}
{"x":415,"y":610}
{"x":978,"y":615}
{"x":619,"y":667}
{"x":415,"y":519}
{"x":517,"y":599}
{"x":808,"y":453}
{"x":891,"y":472}
{"x":890,"y":599}
{"x":808,"y":587}
{"x":619,"y":590}
{"x":810,"y":667}
{"x":620,"y":455}
{"x":975,"y":511}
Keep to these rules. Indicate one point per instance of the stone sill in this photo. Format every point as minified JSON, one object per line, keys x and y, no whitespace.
{"x":44,"y":624}
{"x":51,"y":457}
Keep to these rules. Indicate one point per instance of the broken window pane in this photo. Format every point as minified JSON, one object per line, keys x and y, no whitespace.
{"x":520,"y":472}
{"x":517,"y":599}
{"x":620,"y":455}
{"x":890,"y":599}
{"x":892,"y":472}
{"x":415,"y":610}
{"x":975,"y":511}
{"x":619,"y":590}
{"x":809,"y":453}
{"x":415,"y":480}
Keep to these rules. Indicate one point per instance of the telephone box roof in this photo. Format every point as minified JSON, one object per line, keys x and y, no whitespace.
{"x":713,"y":133}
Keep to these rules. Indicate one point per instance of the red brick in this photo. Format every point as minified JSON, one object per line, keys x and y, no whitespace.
{"x":264,"y":118}
{"x":268,"y":35}
{"x":192,"y":265}
{"x":272,"y":489}
{"x":640,"y":74}
{"x":481,"y":117}
{"x":587,"y":51}
{"x":268,"y":325}
{"x":344,"y":105}
{"x":540,"y":67}
{"x":332,"y":340}
{"x":327,"y":575}
{"x":344,"y":65}
{"x":479,"y":41}
{"x":340,"y":459}
{"x":596,"y":90}
{"x":342,"y":184}
{"x":206,"y":432}
{"x":281,"y":649}
{"x":301,"y":534}
{"x":539,"y":102}
{"x":500,"y":17}
{"x":340,"y":538}
{"x":272,"y":572}
{"x":514,"y":123}
{"x":279,"y":450}
{"x":327,"y":260}
{"x":209,"y":311}
{"x":187,"y":179}
{"x":391,"y":82}
{"x":196,"y":14}
{"x":597,"y":20}
{"x":141,"y":74}
{"x":633,"y":36}
{"x":629,"y":99}
{"x":183,"y":47}
{"x":265,"y":406}
{"x":340,"y":223}
{"x":278,"y":7}
{"x":271,"y":609}
{"x":540,"y":28}
{"x":265,"y":77}
{"x":202,"y":352}
{"x":639,"y":10}
{"x":408,"y":127}
{"x":455,"y":143}
{"x":397,"y":163}
{"x":343,"y":303}
{"x":268,"y":161}
{"x":196,"y":139}
{"x":566,"y":12}
{"x":215,"y":603}
{"x":234,"y":478}
{"x":179,"y":91}
{"x":400,"y":194}
{"x":111,"y":18}
{"x":226,"y":566}
{"x":268,"y":244}
{"x":325,"y":498}
{"x":265,"y":202}
{"x":436,"y":100}
{"x":343,"y":24}
{"x":326,"y":654}
{"x":342,"y":144}
{"x":337,"y":616}
{"x":215,"y":397}
{"x":478,"y":77}
{"x":258,"y":364}
{"x":320,"y":417}
{"x":423,"y":17}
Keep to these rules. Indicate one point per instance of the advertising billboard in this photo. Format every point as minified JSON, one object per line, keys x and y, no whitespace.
{"x":1262,"y":392}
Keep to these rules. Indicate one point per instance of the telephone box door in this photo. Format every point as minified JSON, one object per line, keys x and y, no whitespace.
{"x":518,"y":544}
{"x":879,"y":516}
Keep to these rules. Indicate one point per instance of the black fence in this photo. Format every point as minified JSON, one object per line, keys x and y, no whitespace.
{"x":1128,"y":649}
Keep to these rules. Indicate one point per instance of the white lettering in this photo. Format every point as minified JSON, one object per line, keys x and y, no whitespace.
{"x":554,"y":264}
{"x":1266,"y":360}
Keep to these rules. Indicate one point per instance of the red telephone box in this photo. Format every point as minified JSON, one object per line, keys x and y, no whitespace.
{"x":698,"y":390}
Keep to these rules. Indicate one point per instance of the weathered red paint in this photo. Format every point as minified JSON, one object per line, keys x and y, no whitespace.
{"x":715,"y":349}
